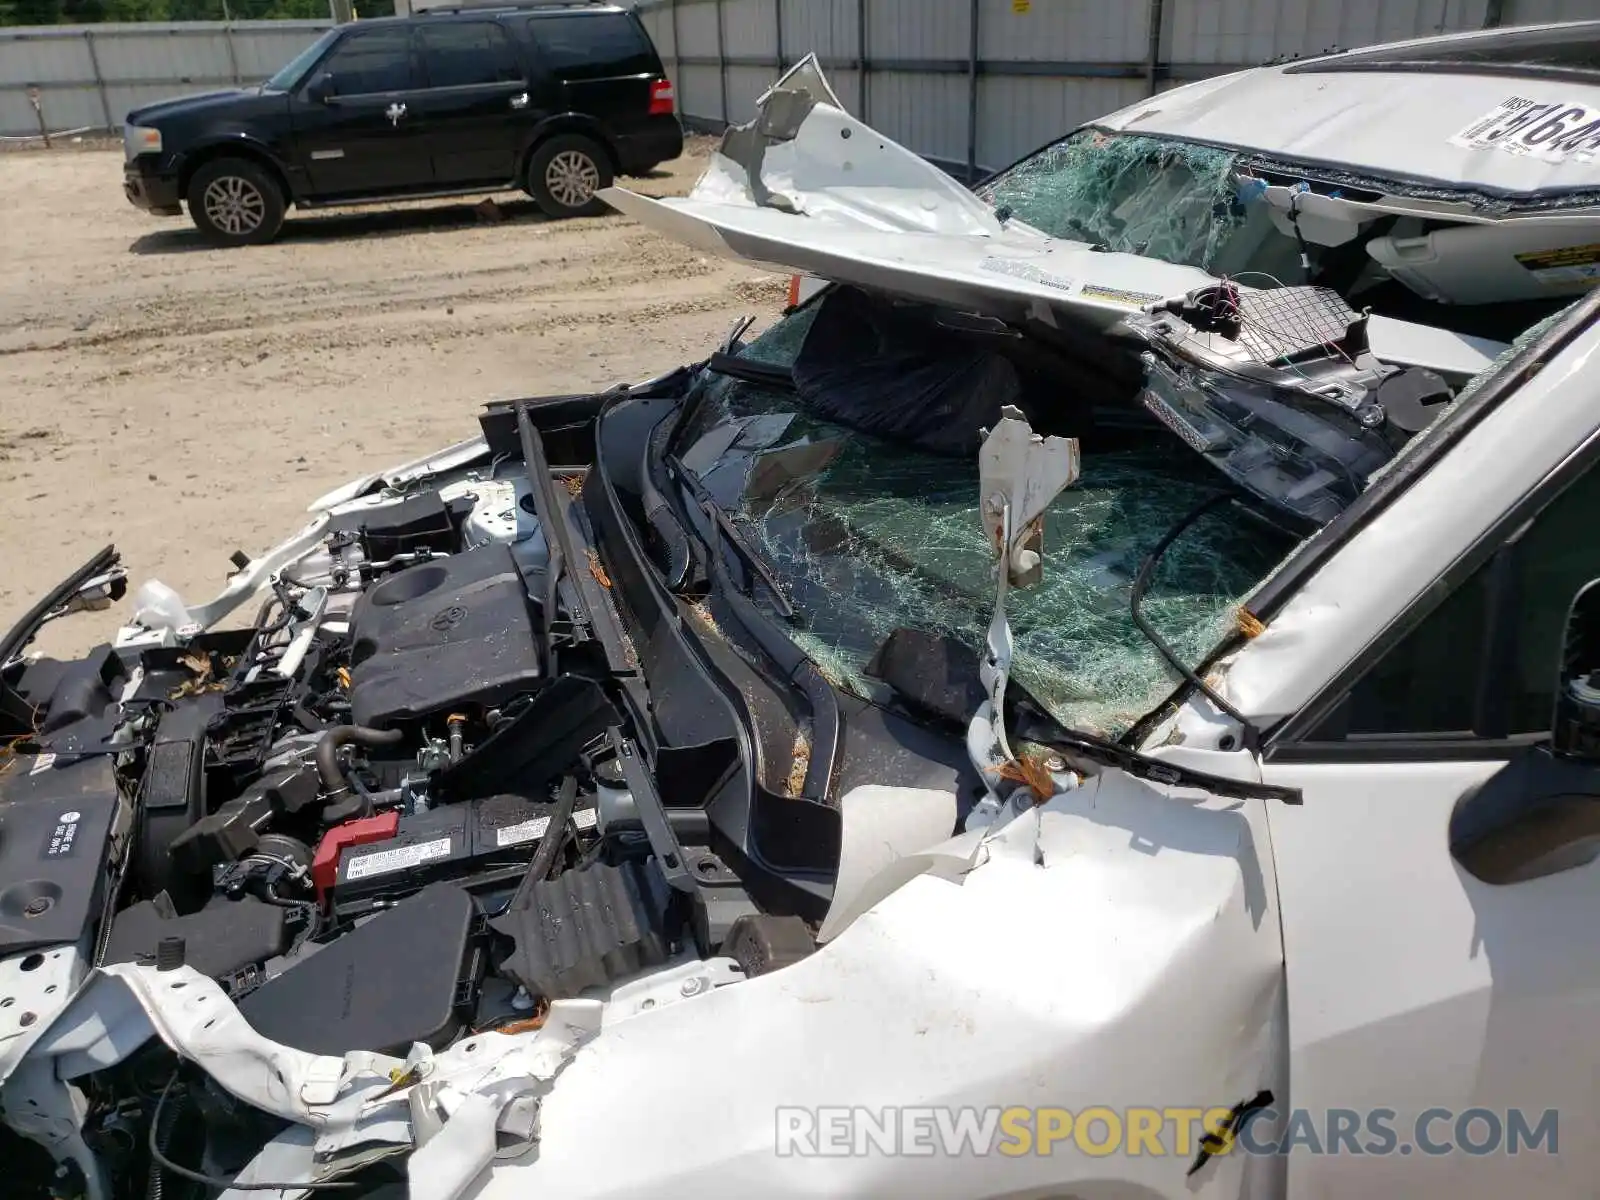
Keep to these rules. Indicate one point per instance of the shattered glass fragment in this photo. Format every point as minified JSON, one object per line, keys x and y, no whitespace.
{"x":877,"y":535}
{"x":1139,"y":195}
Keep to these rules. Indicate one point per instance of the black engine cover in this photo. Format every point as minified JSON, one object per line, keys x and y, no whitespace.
{"x":56,"y":822}
{"x":405,"y":976}
{"x":442,"y":634}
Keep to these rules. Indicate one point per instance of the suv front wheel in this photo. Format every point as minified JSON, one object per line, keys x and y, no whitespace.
{"x":235,"y":202}
{"x":565,"y":173}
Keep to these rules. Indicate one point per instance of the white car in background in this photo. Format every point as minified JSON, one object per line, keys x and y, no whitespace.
{"x":1125,"y":650}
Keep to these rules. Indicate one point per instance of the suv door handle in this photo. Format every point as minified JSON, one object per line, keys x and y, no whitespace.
{"x":394,"y":112}
{"x":520,"y":100}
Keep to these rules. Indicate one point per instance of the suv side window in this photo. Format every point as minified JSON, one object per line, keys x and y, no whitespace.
{"x":1483,"y":664}
{"x":464,"y":53}
{"x":373,"y":60}
{"x":593,"y":45}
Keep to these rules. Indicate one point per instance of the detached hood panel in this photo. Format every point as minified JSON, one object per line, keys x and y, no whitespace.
{"x":806,"y":187}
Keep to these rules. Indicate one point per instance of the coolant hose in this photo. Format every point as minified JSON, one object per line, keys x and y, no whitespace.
{"x":328,"y":770}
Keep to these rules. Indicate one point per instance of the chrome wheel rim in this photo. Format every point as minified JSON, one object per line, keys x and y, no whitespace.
{"x":234,"y":205}
{"x":572,"y":178}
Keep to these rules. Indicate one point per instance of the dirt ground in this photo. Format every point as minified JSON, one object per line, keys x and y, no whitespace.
{"x":183,"y":402}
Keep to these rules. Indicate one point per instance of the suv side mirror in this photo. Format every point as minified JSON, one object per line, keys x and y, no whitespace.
{"x":322,"y":88}
{"x":1577,"y":716}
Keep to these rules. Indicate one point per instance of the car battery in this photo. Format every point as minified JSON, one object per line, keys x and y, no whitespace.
{"x":475,"y":842}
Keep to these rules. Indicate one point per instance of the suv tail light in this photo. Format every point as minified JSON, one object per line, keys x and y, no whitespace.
{"x":661,"y":98}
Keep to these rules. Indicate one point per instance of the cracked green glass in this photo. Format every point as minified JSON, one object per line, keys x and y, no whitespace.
{"x":885,"y":536}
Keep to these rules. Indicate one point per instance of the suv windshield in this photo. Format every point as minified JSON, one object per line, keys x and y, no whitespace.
{"x":870,"y":526}
{"x":1199,"y":206}
{"x":1170,"y":200}
{"x":289,"y":74}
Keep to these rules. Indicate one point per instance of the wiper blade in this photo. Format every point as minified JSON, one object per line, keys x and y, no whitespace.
{"x":747,"y":370}
{"x":1142,"y":766}
{"x":939,"y":675}
{"x":736,"y":538}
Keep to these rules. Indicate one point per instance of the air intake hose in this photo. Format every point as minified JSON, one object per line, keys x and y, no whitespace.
{"x":334,"y":782}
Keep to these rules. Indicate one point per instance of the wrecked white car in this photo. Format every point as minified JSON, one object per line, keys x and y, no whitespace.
{"x":1101,"y":700}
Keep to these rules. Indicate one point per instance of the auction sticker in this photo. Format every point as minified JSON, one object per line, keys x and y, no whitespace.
{"x":1552,"y":132}
{"x":401,"y":859}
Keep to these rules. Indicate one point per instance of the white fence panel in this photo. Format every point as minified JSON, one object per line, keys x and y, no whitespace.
{"x":92,"y":75}
{"x":749,"y":28}
{"x":1042,"y":66}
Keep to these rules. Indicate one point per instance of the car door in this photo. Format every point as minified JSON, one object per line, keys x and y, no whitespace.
{"x":476,"y":107}
{"x":353,"y":126}
{"x":1439,"y":889}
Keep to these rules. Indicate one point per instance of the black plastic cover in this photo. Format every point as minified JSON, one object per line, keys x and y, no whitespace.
{"x":55,"y":823}
{"x":587,"y":927}
{"x":765,"y":942}
{"x":223,"y":937}
{"x":422,"y":522}
{"x":83,"y":690}
{"x":225,"y":836}
{"x":172,"y":794}
{"x":407,"y":975}
{"x":891,"y":370}
{"x":441,"y":635}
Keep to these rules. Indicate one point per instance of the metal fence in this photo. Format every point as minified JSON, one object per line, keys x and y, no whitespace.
{"x":78,"y":78}
{"x":975,"y":84}
{"x":969,"y":83}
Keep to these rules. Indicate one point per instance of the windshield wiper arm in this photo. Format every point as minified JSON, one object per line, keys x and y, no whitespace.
{"x":736,"y":538}
{"x":1141,"y":584}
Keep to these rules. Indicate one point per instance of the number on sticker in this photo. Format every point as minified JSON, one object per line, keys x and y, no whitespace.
{"x":1552,"y":132}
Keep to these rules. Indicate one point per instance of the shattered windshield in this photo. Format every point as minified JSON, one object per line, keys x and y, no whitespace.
{"x":870,"y":526}
{"x":1170,"y":200}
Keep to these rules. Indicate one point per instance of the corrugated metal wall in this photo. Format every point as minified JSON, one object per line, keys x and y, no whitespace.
{"x":89,"y":76}
{"x":1035,"y":69}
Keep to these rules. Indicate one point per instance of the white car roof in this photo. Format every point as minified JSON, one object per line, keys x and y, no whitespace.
{"x":1507,"y":113}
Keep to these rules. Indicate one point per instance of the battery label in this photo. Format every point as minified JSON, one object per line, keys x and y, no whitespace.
{"x":401,"y":859}
{"x":527,"y":831}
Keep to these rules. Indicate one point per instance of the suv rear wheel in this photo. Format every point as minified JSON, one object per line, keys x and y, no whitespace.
{"x":235,"y":202}
{"x":565,"y":173}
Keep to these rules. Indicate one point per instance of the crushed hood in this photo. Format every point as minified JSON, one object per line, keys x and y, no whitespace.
{"x":807,"y":187}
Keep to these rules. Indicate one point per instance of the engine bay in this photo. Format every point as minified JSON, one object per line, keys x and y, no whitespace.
{"x":377,"y":816}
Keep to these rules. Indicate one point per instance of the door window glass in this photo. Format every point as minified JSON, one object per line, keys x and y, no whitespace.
{"x":593,"y":45}
{"x":465,"y":53}
{"x":378,"y":60}
{"x":1485,"y":662}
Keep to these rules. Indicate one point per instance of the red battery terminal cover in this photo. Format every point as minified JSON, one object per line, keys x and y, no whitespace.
{"x":325,"y":864}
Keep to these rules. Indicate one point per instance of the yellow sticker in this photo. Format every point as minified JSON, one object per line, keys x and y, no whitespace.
{"x":1021,"y":6}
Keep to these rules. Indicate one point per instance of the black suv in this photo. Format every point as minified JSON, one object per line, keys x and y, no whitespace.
{"x":554,"y":98}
